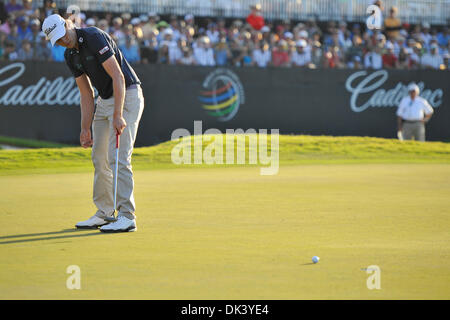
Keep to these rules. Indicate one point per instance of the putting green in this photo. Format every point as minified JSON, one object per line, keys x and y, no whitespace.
{"x":229,"y":233}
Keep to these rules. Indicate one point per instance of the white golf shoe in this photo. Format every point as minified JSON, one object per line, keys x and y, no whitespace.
{"x":92,"y":223}
{"x":122,"y":224}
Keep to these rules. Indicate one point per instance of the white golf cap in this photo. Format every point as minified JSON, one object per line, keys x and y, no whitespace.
{"x":189,"y":16}
{"x":90,"y":22}
{"x":54,"y":28}
{"x":303,"y":34}
{"x":168,"y":31}
{"x":413,"y":87}
{"x":288,"y":35}
{"x":265,"y":29}
{"x":135,"y":21}
{"x":301,"y":43}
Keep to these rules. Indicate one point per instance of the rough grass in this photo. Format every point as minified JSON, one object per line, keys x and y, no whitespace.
{"x":29,"y":143}
{"x":292,"y":150}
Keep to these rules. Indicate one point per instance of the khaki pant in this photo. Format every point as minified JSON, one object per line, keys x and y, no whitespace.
{"x":414,"y":130}
{"x":104,"y":154}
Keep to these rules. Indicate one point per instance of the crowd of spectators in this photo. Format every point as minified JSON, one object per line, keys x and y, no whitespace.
{"x":249,"y":42}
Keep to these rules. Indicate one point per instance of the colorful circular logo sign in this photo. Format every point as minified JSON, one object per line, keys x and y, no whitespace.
{"x":222,"y":94}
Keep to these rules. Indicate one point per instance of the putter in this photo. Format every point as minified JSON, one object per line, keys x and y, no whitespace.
{"x":113,"y":217}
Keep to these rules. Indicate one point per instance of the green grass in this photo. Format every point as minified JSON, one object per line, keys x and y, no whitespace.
{"x":233,"y":234}
{"x":230,"y":233}
{"x":293,"y":150}
{"x":30,"y":143}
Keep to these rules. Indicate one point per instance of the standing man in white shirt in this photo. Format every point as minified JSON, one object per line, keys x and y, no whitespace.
{"x":412,"y":114}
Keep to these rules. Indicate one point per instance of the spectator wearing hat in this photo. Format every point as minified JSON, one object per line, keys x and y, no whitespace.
{"x":172,"y":45}
{"x":28,"y":9}
{"x":13,"y":37}
{"x":280,"y":55}
{"x":262,"y":55}
{"x":392,"y":24}
{"x":162,"y":26}
{"x":26,"y":52}
{"x":23,"y":30}
{"x":189,"y":19}
{"x":300,"y":57}
{"x":34,"y":36}
{"x":432,"y":60}
{"x":149,"y":49}
{"x":399,"y":43}
{"x":10,"y":53}
{"x":390,"y":60}
{"x":150,"y":25}
{"x":404,"y":59}
{"x":187,"y":59}
{"x":203,"y":53}
{"x":130,"y":49}
{"x":126,"y":18}
{"x":49,"y":8}
{"x":356,"y":63}
{"x":222,"y":52}
{"x":116,"y":30}
{"x":425,"y":34}
{"x":443,"y":37}
{"x":255,"y":18}
{"x":42,"y":51}
{"x":212,"y":32}
{"x":103,"y":25}
{"x":373,"y":59}
{"x":412,"y":114}
{"x":90,"y":22}
{"x":13,"y":7}
{"x":356,"y":50}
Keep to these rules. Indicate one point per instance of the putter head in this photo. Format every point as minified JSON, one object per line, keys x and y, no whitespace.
{"x":111,"y":218}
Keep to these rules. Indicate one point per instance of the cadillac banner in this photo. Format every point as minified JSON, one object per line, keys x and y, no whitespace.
{"x":41,"y":101}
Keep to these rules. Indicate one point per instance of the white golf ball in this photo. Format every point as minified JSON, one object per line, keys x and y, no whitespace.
{"x":315,"y":259}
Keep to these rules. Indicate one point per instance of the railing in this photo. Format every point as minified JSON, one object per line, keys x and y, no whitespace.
{"x":411,"y":11}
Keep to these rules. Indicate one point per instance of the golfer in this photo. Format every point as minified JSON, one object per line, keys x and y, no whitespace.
{"x":95,"y":61}
{"x":412,"y":114}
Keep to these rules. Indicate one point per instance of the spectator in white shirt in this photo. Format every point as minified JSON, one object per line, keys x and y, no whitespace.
{"x":425,"y":34}
{"x":213,"y":33}
{"x":117,"y":31}
{"x":203,"y":53}
{"x":373,"y":60}
{"x":300,"y":57}
{"x":174,"y":50}
{"x":262,"y":55}
{"x":412,"y":114}
{"x":187,"y":59}
{"x":432,"y":60}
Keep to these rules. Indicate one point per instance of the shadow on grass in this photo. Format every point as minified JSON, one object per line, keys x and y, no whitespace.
{"x":63,"y":234}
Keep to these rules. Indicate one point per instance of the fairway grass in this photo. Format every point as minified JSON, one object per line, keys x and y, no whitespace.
{"x":230,"y":233}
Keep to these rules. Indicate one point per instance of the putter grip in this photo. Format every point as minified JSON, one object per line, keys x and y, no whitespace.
{"x":117,"y":140}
